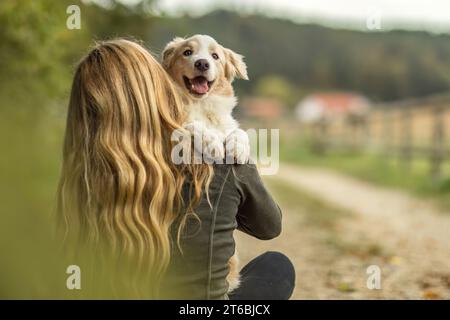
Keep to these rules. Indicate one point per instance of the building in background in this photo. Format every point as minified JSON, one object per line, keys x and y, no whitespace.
{"x":335,"y":106}
{"x":261,"y":108}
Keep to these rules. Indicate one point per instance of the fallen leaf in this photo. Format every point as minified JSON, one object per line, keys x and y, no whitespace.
{"x":396,"y":260}
{"x":430,"y":295}
{"x":345,"y":287}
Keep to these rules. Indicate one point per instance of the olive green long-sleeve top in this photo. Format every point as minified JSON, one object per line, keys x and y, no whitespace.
{"x":238,"y":200}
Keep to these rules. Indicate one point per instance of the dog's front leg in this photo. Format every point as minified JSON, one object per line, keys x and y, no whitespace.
{"x":237,"y":146}
{"x":206,"y":142}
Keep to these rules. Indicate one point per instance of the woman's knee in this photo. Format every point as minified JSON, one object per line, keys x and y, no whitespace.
{"x":271,"y":276}
{"x":281,"y":263}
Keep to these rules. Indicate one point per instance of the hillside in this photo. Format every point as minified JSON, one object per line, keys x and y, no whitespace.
{"x":384,"y":66}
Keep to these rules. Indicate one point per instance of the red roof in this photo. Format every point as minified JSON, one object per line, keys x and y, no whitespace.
{"x":339,"y":102}
{"x":262,"y":107}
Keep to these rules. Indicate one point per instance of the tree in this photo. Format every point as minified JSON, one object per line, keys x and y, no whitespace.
{"x":274,"y":86}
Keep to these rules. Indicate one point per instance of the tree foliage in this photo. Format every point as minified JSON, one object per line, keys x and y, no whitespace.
{"x":382,"y":65}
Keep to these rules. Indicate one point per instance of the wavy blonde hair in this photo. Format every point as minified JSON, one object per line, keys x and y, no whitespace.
{"x":118,"y":183}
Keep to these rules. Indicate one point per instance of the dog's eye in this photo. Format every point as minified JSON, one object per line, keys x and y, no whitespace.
{"x":187,"y":52}
{"x":215,"y":56}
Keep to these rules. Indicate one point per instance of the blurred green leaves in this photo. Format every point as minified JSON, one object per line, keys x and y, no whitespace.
{"x":273,"y":86}
{"x":36,"y":53}
{"x":37,"y":57}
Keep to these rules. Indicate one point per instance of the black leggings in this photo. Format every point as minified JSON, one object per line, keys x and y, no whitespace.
{"x":270,"y":276}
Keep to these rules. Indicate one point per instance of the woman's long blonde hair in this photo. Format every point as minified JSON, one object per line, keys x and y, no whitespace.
{"x":118,"y":183}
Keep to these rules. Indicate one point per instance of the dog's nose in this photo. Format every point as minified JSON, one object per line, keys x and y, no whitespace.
{"x":202,"y":64}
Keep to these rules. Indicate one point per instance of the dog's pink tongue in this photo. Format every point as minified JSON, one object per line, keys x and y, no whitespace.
{"x":200,"y":85}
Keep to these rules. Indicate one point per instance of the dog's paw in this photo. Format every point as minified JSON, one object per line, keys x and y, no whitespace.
{"x":213,"y":148}
{"x":196,"y":128}
{"x":206,"y":142}
{"x":238,"y":147}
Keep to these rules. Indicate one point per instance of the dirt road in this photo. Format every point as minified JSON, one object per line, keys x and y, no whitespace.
{"x":353,"y":225}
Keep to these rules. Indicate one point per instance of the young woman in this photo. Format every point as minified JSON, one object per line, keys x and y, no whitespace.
{"x":120,"y":191}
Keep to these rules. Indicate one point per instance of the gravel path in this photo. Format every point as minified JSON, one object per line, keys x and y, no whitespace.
{"x":408,"y":238}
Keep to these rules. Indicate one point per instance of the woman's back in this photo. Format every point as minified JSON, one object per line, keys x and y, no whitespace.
{"x":237,"y":199}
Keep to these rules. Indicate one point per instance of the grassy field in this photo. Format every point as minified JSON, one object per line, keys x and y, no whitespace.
{"x":380,"y":169}
{"x":316,"y":212}
{"x":29,"y":169}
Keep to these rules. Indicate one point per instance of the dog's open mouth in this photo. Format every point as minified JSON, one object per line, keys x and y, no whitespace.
{"x":198,"y":85}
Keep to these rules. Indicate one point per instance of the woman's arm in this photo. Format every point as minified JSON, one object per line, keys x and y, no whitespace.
{"x":258,"y":213}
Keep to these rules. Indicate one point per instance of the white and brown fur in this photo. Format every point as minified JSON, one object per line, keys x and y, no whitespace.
{"x":210,"y":112}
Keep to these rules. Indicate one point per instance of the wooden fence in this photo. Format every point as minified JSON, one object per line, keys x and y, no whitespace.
{"x":406,"y":130}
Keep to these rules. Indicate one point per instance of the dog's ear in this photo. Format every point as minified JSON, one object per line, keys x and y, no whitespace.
{"x":235,"y":66}
{"x":168,"y":52}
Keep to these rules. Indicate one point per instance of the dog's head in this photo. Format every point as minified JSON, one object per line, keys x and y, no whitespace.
{"x":202,"y":67}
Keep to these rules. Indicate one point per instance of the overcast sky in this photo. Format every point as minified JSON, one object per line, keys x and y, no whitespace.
{"x":431,"y":15}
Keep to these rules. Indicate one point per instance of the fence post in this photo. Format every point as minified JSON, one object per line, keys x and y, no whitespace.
{"x":437,"y":152}
{"x":387,"y":136}
{"x":406,"y":149}
{"x":319,"y":139}
{"x":367,"y":140}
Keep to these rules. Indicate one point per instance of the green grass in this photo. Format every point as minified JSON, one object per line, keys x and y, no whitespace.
{"x":315,"y":211}
{"x":379,"y":169}
{"x":29,"y":169}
